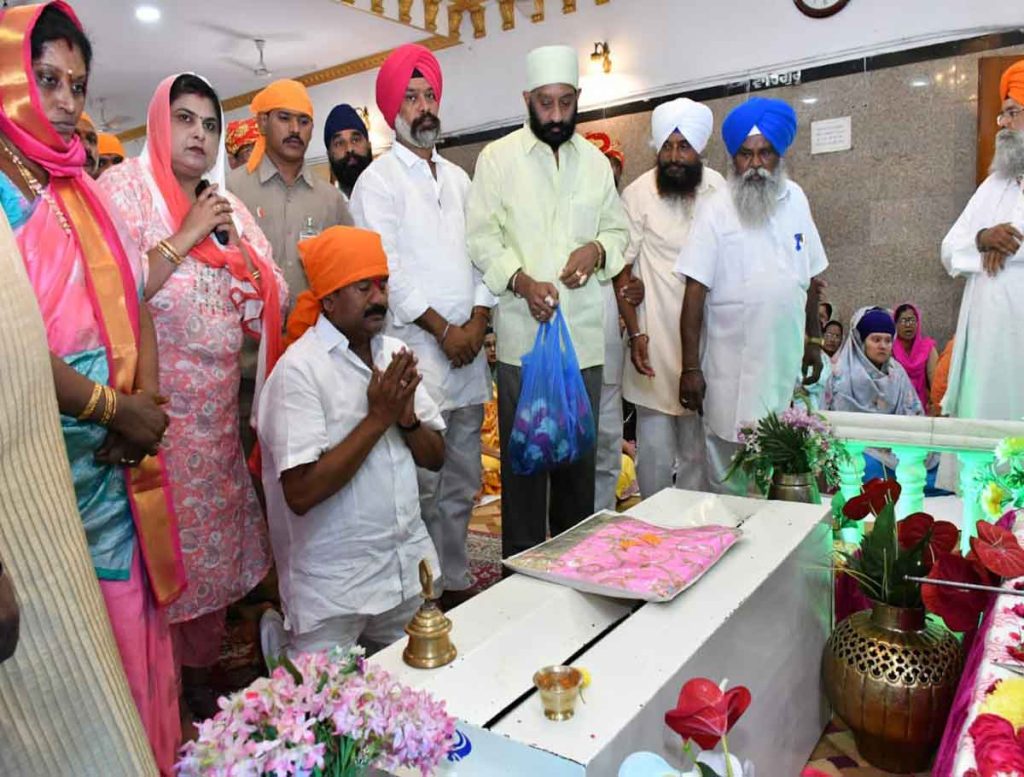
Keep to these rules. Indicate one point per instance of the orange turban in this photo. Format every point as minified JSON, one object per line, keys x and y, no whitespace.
{"x":335,"y":258}
{"x":285,"y":94}
{"x":241,"y":132}
{"x":87,"y":119}
{"x":1012,"y":82}
{"x":109,"y":144}
{"x":396,"y":72}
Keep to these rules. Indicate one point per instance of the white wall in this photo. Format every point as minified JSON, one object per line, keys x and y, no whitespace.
{"x":664,"y":46}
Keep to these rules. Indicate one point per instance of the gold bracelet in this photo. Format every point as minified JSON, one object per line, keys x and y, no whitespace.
{"x":170,"y":253}
{"x":818,"y":341}
{"x":90,"y":406}
{"x":109,"y":407}
{"x":601,"y":255}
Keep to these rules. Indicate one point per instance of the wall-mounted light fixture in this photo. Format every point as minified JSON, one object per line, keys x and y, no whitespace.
{"x":603,"y":54}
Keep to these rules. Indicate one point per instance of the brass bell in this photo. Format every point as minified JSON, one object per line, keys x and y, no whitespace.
{"x":429,"y":631}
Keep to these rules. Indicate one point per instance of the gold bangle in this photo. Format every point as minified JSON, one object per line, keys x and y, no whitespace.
{"x":90,"y":406}
{"x":170,"y":253}
{"x":109,"y":407}
{"x":818,"y":341}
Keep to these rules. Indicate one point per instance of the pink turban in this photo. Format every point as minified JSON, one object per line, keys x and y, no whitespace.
{"x":396,"y":72}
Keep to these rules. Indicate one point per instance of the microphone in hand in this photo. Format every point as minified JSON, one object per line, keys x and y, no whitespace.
{"x":220,"y":233}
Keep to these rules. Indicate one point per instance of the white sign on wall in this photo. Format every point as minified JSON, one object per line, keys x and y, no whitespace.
{"x":831,"y":135}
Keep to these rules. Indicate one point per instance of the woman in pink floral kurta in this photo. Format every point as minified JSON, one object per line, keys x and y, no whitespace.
{"x":200,"y":312}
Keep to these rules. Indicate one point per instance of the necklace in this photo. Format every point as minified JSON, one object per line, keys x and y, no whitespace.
{"x":36,"y":188}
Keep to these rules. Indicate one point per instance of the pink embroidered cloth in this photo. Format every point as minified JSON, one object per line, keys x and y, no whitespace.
{"x":617,"y":555}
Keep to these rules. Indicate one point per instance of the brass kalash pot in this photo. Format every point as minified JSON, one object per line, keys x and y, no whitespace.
{"x":429,"y":631}
{"x":891,"y":675}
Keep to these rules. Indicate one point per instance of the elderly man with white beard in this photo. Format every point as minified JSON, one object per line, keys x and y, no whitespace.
{"x":987,"y":368}
{"x":749,"y":263}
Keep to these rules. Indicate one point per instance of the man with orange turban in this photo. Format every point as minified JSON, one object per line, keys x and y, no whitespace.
{"x":343,"y":424}
{"x":440,"y":307}
{"x":109,"y":150}
{"x":240,"y":140}
{"x":987,"y":367}
{"x":290,"y":202}
{"x":86,"y":131}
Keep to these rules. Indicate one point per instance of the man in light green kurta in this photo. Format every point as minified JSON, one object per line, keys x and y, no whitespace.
{"x":545,"y":226}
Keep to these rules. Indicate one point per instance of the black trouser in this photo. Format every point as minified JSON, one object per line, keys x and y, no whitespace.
{"x":526,"y":510}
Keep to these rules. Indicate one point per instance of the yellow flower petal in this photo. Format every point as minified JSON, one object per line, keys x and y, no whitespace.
{"x":1007,"y":701}
{"x":585,"y":675}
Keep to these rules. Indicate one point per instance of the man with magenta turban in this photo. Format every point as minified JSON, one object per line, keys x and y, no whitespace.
{"x":416,"y":200}
{"x":748,"y":265}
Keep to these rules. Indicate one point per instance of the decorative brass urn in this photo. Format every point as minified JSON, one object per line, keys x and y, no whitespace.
{"x":429,"y":631}
{"x":801,"y":487}
{"x":891,"y":675}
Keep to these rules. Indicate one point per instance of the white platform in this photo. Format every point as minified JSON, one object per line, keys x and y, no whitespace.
{"x":760,"y":618}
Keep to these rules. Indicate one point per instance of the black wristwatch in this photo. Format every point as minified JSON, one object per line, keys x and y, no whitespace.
{"x":411,"y":427}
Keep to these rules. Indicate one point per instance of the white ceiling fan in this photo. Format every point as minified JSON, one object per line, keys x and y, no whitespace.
{"x":261,"y":71}
{"x":112,"y":124}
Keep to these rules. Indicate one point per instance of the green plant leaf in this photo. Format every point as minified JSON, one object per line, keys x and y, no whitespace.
{"x":707,"y":771}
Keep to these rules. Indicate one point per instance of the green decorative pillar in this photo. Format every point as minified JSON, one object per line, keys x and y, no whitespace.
{"x":970,"y":464}
{"x":911,"y":475}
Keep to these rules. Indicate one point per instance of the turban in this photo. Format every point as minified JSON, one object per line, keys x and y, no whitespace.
{"x":342,"y":117}
{"x":606,"y":146}
{"x":108,"y":145}
{"x":335,"y":258}
{"x":396,"y":72}
{"x":552,"y":65}
{"x":241,"y":132}
{"x":87,"y":119}
{"x":875,"y":321}
{"x":284,"y":94}
{"x":1012,"y":82}
{"x":774,"y":119}
{"x":693,"y":121}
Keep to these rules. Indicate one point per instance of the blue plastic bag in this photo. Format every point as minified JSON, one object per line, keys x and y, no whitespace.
{"x":554,"y":423}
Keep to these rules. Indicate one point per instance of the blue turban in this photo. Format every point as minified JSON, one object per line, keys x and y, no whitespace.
{"x":876,"y":321}
{"x":775,"y":118}
{"x":342,"y":117}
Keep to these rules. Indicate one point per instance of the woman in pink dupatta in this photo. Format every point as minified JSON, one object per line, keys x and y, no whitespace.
{"x":204,"y":297}
{"x":103,"y":350}
{"x":915,"y":351}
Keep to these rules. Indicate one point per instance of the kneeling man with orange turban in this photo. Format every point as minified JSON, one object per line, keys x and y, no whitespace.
{"x":343,"y":424}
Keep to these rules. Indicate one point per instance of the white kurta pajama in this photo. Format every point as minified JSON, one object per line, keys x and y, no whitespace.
{"x":755,"y":312}
{"x":608,"y":461}
{"x":348,"y":568}
{"x":422,"y":224}
{"x":669,"y":438}
{"x":987,"y":368}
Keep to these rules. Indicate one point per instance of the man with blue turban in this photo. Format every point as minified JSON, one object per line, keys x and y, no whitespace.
{"x":748,"y":264}
{"x":348,"y":146}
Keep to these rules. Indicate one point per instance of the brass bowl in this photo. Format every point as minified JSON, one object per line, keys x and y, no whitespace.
{"x":559,"y":688}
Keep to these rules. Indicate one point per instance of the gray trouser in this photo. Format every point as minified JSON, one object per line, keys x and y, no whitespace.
{"x":526,"y":510}
{"x":667,"y":444}
{"x":609,"y":447}
{"x":446,"y":496}
{"x":720,"y":453}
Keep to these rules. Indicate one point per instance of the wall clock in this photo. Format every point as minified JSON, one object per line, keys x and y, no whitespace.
{"x":819,"y":9}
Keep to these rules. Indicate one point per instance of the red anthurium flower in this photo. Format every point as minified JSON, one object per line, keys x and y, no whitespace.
{"x":997,"y":748}
{"x":873,"y":497}
{"x":998,"y":550}
{"x":960,"y":608}
{"x":912,"y":529}
{"x":704,"y":713}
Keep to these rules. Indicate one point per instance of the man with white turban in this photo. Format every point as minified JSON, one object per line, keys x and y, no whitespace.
{"x":749,"y":261}
{"x":545,"y":226}
{"x":984,"y":245}
{"x":660,"y":205}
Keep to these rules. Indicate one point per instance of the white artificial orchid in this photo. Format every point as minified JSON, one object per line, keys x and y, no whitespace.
{"x":717,"y":762}
{"x":646,"y":764}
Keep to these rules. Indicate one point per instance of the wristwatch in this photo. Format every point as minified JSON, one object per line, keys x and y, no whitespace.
{"x":411,"y":427}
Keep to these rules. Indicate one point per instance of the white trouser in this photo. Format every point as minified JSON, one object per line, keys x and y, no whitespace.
{"x":371,"y":631}
{"x":609,"y":447}
{"x":720,"y":453}
{"x":667,"y":444}
{"x":446,"y":496}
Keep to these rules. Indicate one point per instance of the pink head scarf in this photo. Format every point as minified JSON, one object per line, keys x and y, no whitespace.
{"x":915,"y":360}
{"x":395,"y":73}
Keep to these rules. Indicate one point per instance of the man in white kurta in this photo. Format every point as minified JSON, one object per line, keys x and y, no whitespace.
{"x":344,"y":423}
{"x":748,"y":264}
{"x":987,"y":368}
{"x":660,"y":205}
{"x":439,"y":305}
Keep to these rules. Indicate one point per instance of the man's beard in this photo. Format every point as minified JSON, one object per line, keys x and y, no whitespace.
{"x":346,"y":173}
{"x":1008,"y":161}
{"x":756,"y":193}
{"x":553,"y":133}
{"x":422,"y":133}
{"x":675,"y":181}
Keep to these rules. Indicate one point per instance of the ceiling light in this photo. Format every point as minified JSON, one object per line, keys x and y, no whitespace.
{"x":809,"y":100}
{"x":147,"y":13}
{"x":918,"y":83}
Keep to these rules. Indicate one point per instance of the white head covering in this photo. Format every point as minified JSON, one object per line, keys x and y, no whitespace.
{"x":693,"y":120}
{"x":552,"y":65}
